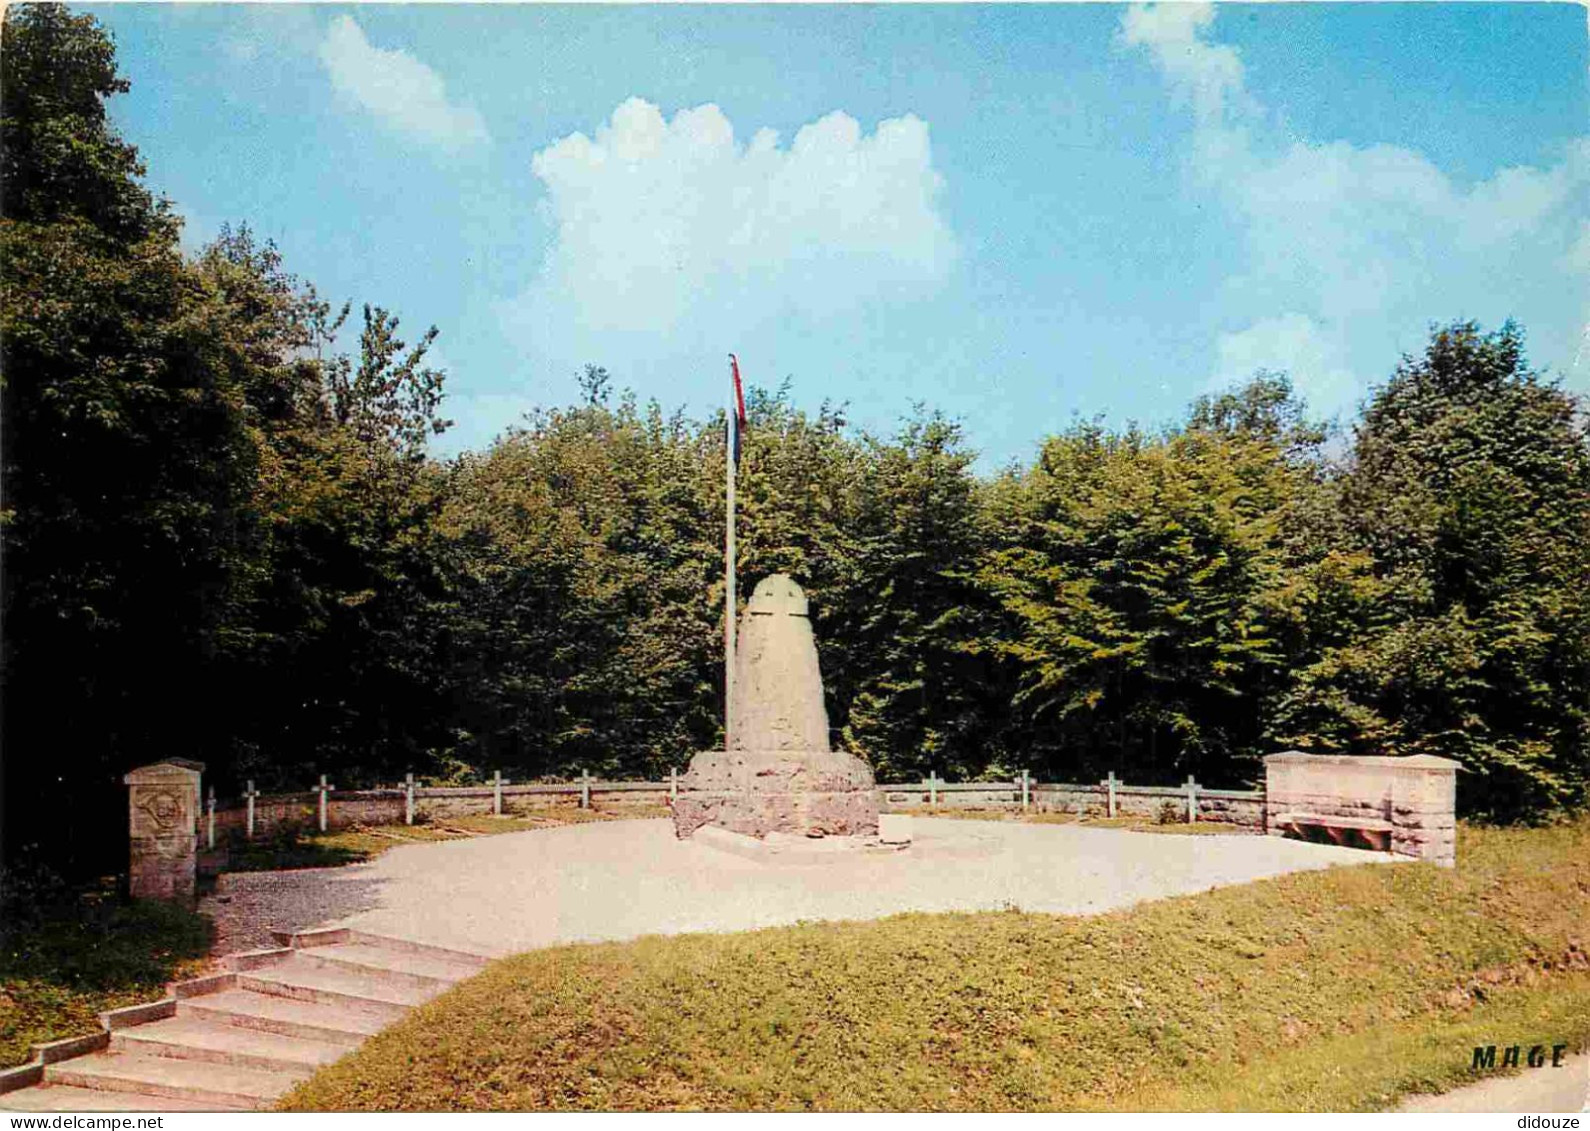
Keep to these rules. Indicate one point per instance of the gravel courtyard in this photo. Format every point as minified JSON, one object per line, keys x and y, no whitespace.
{"x":623,"y":879}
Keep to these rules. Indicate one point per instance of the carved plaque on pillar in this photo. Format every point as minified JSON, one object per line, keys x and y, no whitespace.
{"x":164,"y":809}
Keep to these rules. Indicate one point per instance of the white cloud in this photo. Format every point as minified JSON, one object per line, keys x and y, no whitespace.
{"x":1366,"y":245}
{"x":397,"y":88}
{"x":1291,"y":342}
{"x":1210,"y":74}
{"x":672,"y":227}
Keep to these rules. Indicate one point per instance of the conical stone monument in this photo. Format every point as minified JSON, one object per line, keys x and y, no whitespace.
{"x":778,"y":774}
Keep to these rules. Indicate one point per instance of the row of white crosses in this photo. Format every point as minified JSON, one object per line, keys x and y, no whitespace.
{"x":498,"y":781}
{"x":251,"y":795}
{"x":409,"y":785}
{"x":933,"y":783}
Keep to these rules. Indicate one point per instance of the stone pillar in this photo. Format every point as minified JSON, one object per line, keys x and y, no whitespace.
{"x":1424,"y":809}
{"x":164,"y":812}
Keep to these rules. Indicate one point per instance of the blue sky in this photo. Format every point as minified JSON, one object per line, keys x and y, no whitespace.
{"x":1012,"y":213}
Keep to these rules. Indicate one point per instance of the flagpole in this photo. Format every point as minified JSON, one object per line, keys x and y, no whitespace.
{"x":730,"y":422}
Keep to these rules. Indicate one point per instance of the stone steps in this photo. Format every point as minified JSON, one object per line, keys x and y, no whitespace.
{"x":286,"y":1016}
{"x":238,"y":1041}
{"x":68,"y":1097}
{"x":412,"y":971}
{"x":215,"y":1042}
{"x":220,"y":1086}
{"x":308,"y":980}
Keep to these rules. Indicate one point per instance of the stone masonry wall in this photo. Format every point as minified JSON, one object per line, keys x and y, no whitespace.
{"x":345,"y":810}
{"x":1237,"y":807}
{"x":348,"y":809}
{"x":1409,"y":800}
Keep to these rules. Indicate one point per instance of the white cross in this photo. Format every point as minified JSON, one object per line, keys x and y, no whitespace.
{"x":324,"y":789}
{"x":250,"y":794}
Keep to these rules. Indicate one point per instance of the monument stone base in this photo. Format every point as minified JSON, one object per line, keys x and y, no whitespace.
{"x":787,"y":848}
{"x":754,"y":793}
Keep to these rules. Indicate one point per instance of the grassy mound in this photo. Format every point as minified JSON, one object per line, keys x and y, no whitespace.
{"x":1172,"y":1002}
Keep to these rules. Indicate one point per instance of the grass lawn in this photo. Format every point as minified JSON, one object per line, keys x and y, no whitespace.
{"x":1340,"y":989}
{"x":62,"y":963}
{"x":353,"y":846}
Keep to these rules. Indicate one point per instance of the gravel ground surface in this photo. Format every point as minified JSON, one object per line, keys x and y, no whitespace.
{"x":1541,"y":1091}
{"x":624,"y":879}
{"x":617,"y":880}
{"x":246,"y":906}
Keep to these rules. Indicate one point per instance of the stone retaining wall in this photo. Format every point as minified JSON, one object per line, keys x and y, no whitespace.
{"x":1237,"y":807}
{"x":432,"y":805}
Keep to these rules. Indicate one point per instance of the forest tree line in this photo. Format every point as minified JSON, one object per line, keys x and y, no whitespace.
{"x":226,"y":539}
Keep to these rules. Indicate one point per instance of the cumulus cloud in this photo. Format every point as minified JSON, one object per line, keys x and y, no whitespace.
{"x":1364,"y":246}
{"x":397,"y":88}
{"x":662,"y":226}
{"x":1292,"y":342}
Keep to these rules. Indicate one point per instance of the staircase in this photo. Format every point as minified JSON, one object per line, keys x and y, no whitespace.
{"x":238,"y":1041}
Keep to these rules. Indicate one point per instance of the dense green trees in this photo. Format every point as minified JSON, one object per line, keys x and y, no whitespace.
{"x":213,"y":544}
{"x":224,"y":538}
{"x":1468,"y":502}
{"x":127,"y":460}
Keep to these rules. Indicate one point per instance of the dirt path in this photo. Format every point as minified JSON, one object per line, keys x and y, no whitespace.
{"x":1540,"y":1091}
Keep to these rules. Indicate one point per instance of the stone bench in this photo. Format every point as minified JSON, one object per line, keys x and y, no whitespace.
{"x":1377,"y":833}
{"x":1404,"y":805}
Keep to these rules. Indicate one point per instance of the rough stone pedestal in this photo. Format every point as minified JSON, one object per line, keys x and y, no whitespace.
{"x":164,"y":807}
{"x":778,"y":774}
{"x":756,"y":792}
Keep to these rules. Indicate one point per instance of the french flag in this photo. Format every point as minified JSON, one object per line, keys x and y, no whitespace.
{"x":737,"y":435}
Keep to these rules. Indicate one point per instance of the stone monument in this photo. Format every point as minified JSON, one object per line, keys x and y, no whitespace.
{"x":164,"y":811}
{"x":778,"y":774}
